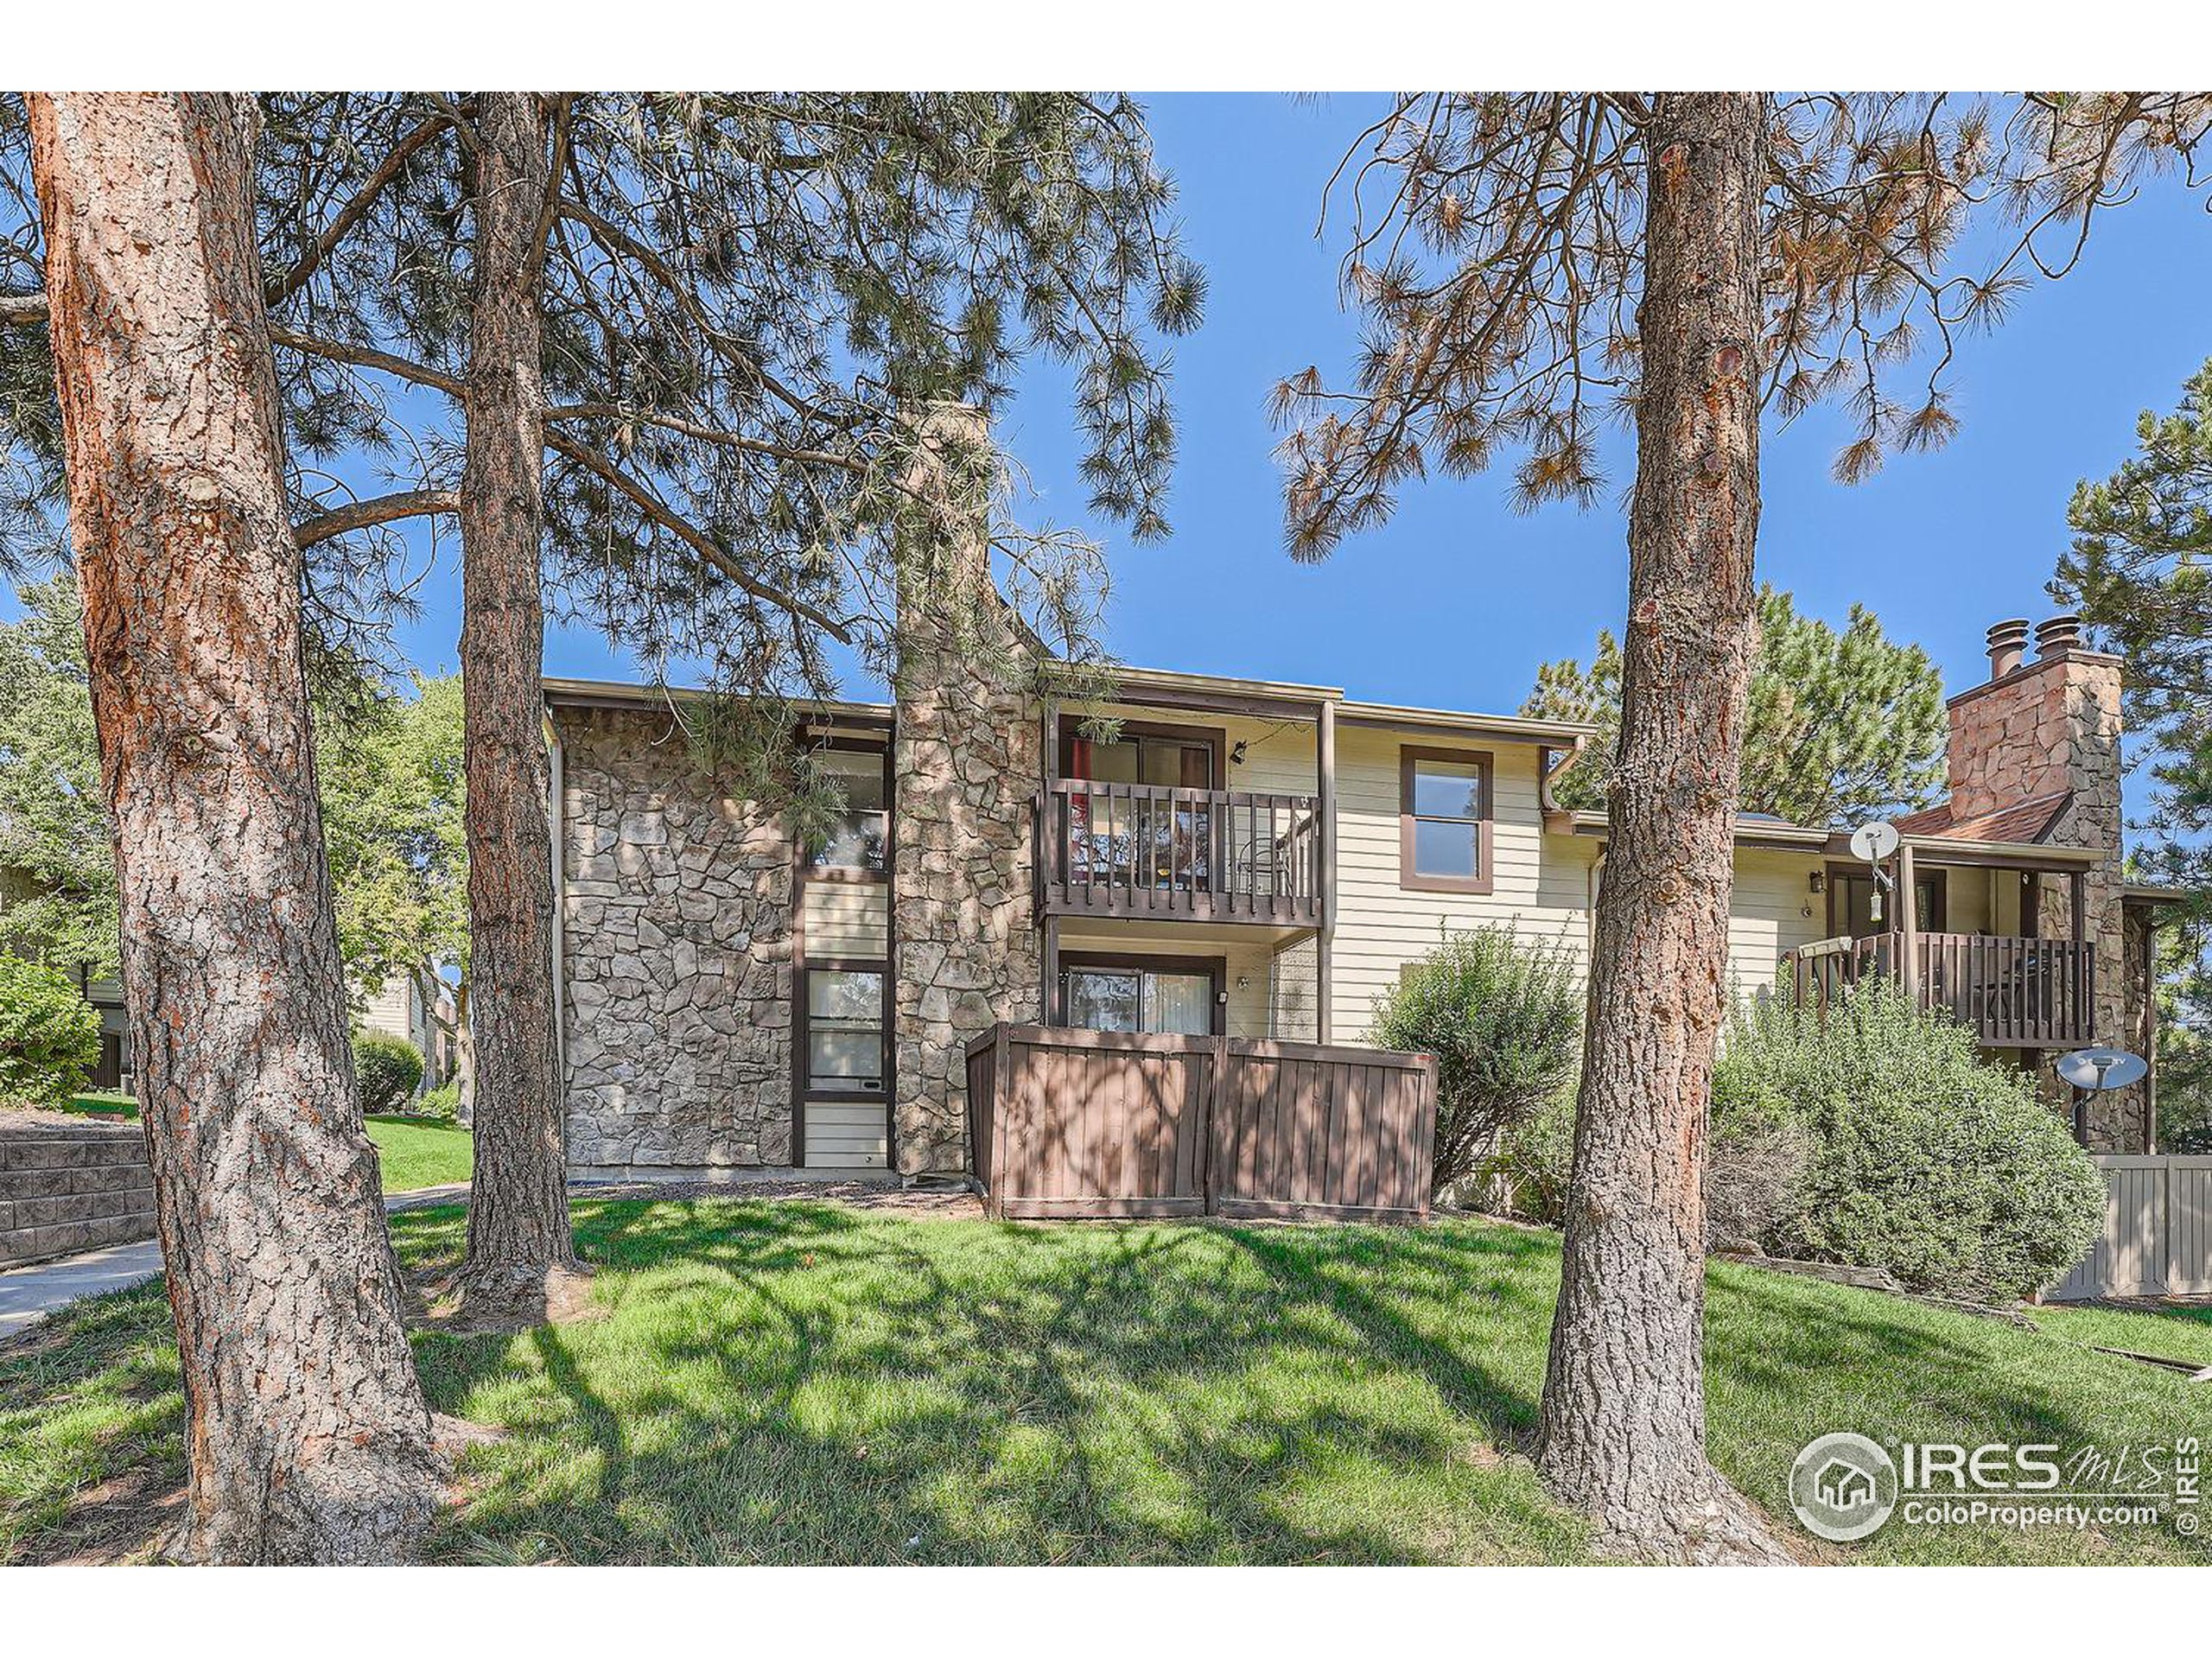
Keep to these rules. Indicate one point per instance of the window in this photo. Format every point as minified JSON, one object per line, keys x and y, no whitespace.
{"x":1175,"y":996}
{"x":1444,"y":819}
{"x":1854,"y":912}
{"x":1165,"y":758}
{"x":845,"y":1031}
{"x":857,"y":841}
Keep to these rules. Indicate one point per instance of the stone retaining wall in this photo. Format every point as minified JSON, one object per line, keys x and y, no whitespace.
{"x":69,"y":1185}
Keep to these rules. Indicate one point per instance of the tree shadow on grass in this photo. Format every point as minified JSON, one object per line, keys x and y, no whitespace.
{"x":797,"y":1382}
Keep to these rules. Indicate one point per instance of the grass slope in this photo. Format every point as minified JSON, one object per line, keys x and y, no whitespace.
{"x":808,"y":1383}
{"x":415,"y":1151}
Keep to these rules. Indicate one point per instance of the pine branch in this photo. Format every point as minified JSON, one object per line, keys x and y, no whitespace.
{"x":690,"y":535}
{"x":281,"y":289}
{"x":378,"y":510}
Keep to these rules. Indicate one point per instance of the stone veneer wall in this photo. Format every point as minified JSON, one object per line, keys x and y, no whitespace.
{"x":2055,"y":725}
{"x":677,"y":941}
{"x":968,"y":767}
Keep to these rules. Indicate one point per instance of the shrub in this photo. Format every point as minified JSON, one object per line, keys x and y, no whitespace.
{"x":1503,"y":1018}
{"x":444,"y":1101}
{"x":1535,"y":1157}
{"x":1752,"y":1169}
{"x":49,"y":1035}
{"x":387,"y":1071}
{"x":1919,"y":1158}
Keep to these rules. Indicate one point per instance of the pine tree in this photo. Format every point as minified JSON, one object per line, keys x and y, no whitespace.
{"x":742,"y":302}
{"x":1839,"y":728}
{"x":1532,"y":264}
{"x":2139,"y":572}
{"x":307,"y":1434}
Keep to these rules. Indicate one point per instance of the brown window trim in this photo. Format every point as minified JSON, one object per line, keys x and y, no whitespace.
{"x":1485,"y":877}
{"x":802,"y":1005}
{"x":1215,"y":968}
{"x":1214,"y":737}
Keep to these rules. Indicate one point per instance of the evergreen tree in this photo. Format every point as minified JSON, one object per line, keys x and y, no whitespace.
{"x":689,"y":338}
{"x":57,"y":862}
{"x":390,"y":772}
{"x":1532,"y":264}
{"x":731,"y":310}
{"x":1839,"y":728}
{"x":307,"y":1435}
{"x":2139,"y":572}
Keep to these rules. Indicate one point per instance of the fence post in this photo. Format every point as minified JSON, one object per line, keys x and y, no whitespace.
{"x":1210,"y":1115}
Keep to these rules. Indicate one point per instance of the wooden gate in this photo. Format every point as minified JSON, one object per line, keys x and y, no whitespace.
{"x":2157,"y":1233}
{"x":1085,"y":1124}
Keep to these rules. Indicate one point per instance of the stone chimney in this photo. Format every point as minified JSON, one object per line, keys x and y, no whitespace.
{"x":966,"y":765}
{"x":2049,"y":730}
{"x":2041,"y":729}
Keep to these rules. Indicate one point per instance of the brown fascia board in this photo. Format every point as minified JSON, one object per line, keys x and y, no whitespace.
{"x":1510,"y":729}
{"x":2153,"y":896}
{"x":623,"y":694}
{"x":1749,"y":832}
{"x":1991,"y":854}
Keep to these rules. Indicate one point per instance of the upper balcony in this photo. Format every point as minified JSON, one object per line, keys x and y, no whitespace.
{"x":1139,"y":850}
{"x":2011,"y":992}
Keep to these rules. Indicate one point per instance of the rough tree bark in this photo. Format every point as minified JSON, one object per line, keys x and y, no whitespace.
{"x":1622,"y":1432}
{"x":307,"y":1435}
{"x":519,"y":1226}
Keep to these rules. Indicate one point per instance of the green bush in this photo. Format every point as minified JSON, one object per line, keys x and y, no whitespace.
{"x":1535,"y":1157}
{"x":444,"y":1101}
{"x":387,"y":1071}
{"x":1919,"y":1158}
{"x":49,"y":1035}
{"x":1503,"y":1018}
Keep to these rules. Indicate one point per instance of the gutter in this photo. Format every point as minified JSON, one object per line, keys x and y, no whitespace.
{"x":1558,"y":820}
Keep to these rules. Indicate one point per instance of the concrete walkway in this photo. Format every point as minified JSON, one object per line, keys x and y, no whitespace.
{"x":29,"y":1294}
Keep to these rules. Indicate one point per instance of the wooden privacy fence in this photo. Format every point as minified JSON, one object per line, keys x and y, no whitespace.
{"x":2157,"y":1236}
{"x":1084,"y":1124}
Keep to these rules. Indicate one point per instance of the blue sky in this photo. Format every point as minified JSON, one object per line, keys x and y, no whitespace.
{"x":1458,"y":599}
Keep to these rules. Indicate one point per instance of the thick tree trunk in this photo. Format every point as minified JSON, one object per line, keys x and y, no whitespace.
{"x":1623,"y":1405}
{"x":307,"y":1435}
{"x":519,"y":1230}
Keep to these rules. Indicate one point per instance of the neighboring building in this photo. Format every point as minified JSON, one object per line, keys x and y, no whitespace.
{"x":1239,"y":856}
{"x":416,"y":1005}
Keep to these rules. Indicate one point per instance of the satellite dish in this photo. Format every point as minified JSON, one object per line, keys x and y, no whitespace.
{"x":1874,"y":841}
{"x":2102,"y":1068}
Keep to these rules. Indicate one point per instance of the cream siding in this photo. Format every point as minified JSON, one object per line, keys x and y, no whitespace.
{"x":848,"y":920}
{"x":1775,"y":910}
{"x":846,"y":1134}
{"x":1540,"y":886}
{"x":1294,"y":1004}
{"x":1543,"y":883}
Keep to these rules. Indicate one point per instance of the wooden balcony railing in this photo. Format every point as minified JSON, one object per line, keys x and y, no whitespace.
{"x":2011,"y":992}
{"x":1190,"y":855}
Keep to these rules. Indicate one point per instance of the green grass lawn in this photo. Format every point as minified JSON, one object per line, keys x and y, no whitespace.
{"x":420,"y":1152}
{"x":806,"y":1382}
{"x":415,"y":1151}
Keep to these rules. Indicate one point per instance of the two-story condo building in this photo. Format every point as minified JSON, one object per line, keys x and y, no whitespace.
{"x":1238,"y":856}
